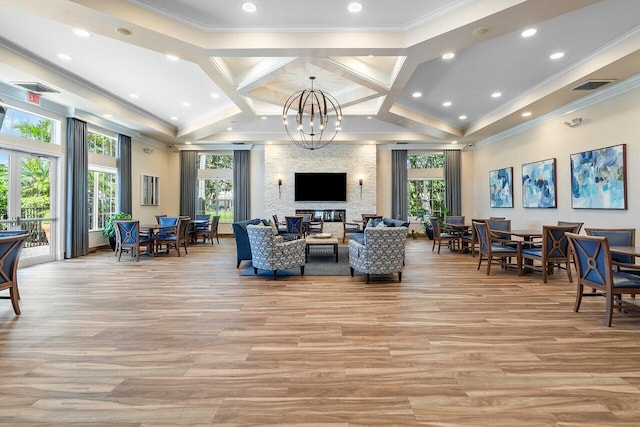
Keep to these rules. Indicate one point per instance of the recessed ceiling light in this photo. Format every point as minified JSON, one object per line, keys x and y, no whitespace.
{"x":264,"y":117}
{"x":229,"y":128}
{"x":108,"y":116}
{"x":249,"y":7}
{"x":123,"y":31}
{"x":556,"y":55}
{"x":133,"y":95}
{"x":185,"y":104}
{"x":454,"y":142}
{"x":529,"y":32}
{"x":448,"y":55}
{"x":171,"y":57}
{"x":370,"y":56}
{"x":354,"y":7}
{"x":463,"y":117}
{"x":372,"y":142}
{"x":526,"y":114}
{"x":369,"y":117}
{"x":64,"y":57}
{"x":496,"y":94}
{"x":215,"y":95}
{"x":174,"y":118}
{"x":81,"y":33}
{"x":446,"y":104}
{"x":416,"y":94}
{"x":188,"y":142}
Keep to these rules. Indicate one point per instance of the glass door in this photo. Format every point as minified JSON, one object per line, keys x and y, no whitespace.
{"x":27,"y":202}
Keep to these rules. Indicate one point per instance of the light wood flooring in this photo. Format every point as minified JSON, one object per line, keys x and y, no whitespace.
{"x":187,"y":341}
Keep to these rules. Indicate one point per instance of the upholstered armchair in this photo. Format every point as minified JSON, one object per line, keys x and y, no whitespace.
{"x":270,"y":252}
{"x":381,"y":253}
{"x":243,"y":249}
{"x":10,"y":248}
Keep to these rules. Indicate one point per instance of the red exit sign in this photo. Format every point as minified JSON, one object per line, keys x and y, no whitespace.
{"x":34,"y":98}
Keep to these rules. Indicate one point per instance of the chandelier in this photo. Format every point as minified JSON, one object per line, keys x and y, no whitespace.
{"x":314,"y":110}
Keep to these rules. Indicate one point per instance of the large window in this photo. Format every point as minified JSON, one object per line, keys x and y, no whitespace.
{"x":102,"y":197}
{"x":215,"y":185}
{"x":426,"y":185}
{"x":27,"y":125}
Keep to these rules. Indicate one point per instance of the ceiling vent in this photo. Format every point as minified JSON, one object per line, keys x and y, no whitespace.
{"x":402,"y":143}
{"x":35,"y":87}
{"x":592,"y":84}
{"x":237,"y":143}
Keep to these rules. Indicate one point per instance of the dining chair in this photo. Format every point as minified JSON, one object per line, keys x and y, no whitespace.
{"x":500,"y":228}
{"x":129,"y":239}
{"x":469,"y":239}
{"x":554,"y":249}
{"x":618,"y":237}
{"x":160,"y":216}
{"x":10,"y":249}
{"x":348,"y":227}
{"x":595,"y":270}
{"x":175,"y":237}
{"x":577,"y":226}
{"x":492,"y":247}
{"x":209,"y":231}
{"x":295,"y":226}
{"x":281,"y":230}
{"x":315,"y":227}
{"x":369,"y":217}
{"x":440,"y":237}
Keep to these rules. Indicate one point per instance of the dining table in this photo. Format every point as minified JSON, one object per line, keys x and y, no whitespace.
{"x":625,"y":250}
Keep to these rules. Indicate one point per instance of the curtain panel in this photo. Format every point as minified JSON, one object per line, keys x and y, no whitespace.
{"x":188,"y":183}
{"x":399,"y":183}
{"x":453,"y":184}
{"x":123,"y":159}
{"x":77,"y":207}
{"x":241,"y":185}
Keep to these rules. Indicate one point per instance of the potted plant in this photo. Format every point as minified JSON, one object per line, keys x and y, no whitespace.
{"x":109,"y":229}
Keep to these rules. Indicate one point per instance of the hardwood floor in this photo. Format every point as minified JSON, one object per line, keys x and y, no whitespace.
{"x":170,"y":341}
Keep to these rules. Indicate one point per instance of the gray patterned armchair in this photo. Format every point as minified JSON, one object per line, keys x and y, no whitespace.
{"x":270,"y":252}
{"x":381,"y":253}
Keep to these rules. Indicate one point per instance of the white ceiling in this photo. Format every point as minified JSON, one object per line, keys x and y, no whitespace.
{"x":237,"y":69}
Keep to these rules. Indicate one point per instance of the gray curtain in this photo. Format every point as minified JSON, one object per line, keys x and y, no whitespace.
{"x":188,"y":182}
{"x":241,"y":186}
{"x":123,"y":158}
{"x":453,"y":190}
{"x":77,"y":210}
{"x":399,"y":182}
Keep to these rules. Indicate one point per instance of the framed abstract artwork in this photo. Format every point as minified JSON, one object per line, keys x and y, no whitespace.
{"x":599,"y":178}
{"x":501,"y":188}
{"x":539,"y":184}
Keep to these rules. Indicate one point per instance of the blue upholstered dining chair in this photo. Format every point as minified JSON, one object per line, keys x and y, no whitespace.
{"x":128,"y":238}
{"x":595,"y":270}
{"x":492,"y":247}
{"x":295,"y":226}
{"x":174,"y":236}
{"x":554,"y":250}
{"x":10,"y":248}
{"x":281,"y":230}
{"x":619,"y":237}
{"x":208,"y":231}
{"x":440,"y":236}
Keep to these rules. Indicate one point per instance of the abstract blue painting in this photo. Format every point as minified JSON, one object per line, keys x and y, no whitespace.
{"x":599,"y":178}
{"x":501,"y":188}
{"x":539,"y":184}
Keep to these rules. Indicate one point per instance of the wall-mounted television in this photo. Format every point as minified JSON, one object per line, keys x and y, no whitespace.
{"x":320,"y":187}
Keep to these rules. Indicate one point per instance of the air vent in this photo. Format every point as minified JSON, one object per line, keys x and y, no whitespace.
{"x":35,"y":87}
{"x":237,"y":143}
{"x":592,"y":84}
{"x":401,"y":143}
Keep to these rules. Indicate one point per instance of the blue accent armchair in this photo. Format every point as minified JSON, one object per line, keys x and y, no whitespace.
{"x":243,"y":249}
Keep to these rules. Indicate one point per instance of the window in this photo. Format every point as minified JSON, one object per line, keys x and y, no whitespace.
{"x":101,"y":144}
{"x":426,"y":185}
{"x":215,"y":185}
{"x":102,"y":197}
{"x":27,"y":125}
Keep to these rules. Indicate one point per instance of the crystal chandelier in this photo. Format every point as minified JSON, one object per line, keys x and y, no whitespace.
{"x":314,"y":111}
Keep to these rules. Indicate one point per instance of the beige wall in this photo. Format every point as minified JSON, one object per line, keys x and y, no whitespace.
{"x":611,"y":122}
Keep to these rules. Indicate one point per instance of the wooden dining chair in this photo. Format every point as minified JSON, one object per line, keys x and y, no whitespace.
{"x":295,"y":226}
{"x":175,"y":237}
{"x":209,"y":231}
{"x":348,"y":227}
{"x":10,"y":249}
{"x":595,"y":270}
{"x":129,"y":239}
{"x":492,"y":248}
{"x":554,"y":250}
{"x":440,"y":237}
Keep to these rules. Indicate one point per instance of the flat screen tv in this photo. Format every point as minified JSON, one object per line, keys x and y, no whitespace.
{"x":320,"y":187}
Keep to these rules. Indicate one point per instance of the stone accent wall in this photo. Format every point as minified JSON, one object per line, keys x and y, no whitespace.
{"x":283,"y":161}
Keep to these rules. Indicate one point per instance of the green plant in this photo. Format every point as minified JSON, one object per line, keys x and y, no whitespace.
{"x":109,"y":230}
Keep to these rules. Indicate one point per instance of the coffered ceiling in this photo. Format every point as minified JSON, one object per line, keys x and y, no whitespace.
{"x":232,"y":70}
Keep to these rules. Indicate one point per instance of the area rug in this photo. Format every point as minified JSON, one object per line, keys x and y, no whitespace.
{"x":320,"y":263}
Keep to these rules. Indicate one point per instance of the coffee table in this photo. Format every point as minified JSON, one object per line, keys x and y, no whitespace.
{"x":320,"y":242}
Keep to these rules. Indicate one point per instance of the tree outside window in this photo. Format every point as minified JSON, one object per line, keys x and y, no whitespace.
{"x":101,"y":198}
{"x":27,"y":125}
{"x":426,"y":190}
{"x":215,"y":185}
{"x":101,"y":144}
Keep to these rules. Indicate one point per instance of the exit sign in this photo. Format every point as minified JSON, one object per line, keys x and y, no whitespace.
{"x":34,"y":98}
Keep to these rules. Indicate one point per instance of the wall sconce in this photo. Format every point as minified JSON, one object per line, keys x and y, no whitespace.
{"x":360,"y":182}
{"x":279,"y":187}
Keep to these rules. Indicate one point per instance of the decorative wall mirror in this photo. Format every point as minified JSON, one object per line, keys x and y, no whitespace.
{"x":150,"y":190}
